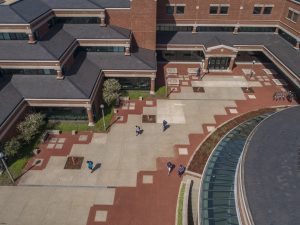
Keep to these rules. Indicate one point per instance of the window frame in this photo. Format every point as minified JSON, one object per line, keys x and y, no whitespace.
{"x":260,"y":9}
{"x":211,"y":6}
{"x":224,"y":6}
{"x":270,"y":7}
{"x":294,"y":15}
{"x":180,"y":6}
{"x":170,"y":7}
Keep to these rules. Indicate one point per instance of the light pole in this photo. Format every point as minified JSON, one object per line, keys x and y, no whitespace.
{"x":102,"y":109}
{"x":252,"y":71}
{"x":4,"y":164}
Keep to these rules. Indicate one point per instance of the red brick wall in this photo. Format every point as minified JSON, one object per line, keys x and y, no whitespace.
{"x":235,"y":15}
{"x":143,"y":23}
{"x":120,"y":18}
{"x":293,"y":27}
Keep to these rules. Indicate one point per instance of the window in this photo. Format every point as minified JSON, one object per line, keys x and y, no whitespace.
{"x":257,"y":10}
{"x":170,"y":10}
{"x":267,"y":10}
{"x":224,"y":9}
{"x":257,"y":29}
{"x":293,"y":15}
{"x":215,"y":29}
{"x":213,"y":9}
{"x":173,"y":28}
{"x":179,"y":9}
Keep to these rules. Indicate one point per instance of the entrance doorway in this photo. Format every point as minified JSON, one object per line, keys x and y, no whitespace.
{"x":218,"y":63}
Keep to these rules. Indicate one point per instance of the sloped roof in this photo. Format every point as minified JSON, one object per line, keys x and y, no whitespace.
{"x":70,"y":4}
{"x":112,"y":4}
{"x":9,"y":16}
{"x":9,"y":98}
{"x":29,"y":10}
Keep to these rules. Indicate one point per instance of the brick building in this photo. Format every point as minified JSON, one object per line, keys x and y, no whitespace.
{"x":54,"y":55}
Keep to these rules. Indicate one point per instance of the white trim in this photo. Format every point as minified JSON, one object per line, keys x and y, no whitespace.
{"x":118,"y":8}
{"x":294,"y":10}
{"x":79,"y":10}
{"x":221,"y":46}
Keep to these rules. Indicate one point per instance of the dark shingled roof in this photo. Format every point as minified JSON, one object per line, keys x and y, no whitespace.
{"x":21,"y":50}
{"x":29,"y":10}
{"x":94,"y":31}
{"x":9,"y":98}
{"x":283,"y":50}
{"x":112,"y":3}
{"x":70,"y":4}
{"x":57,"y":41}
{"x":142,"y":60}
{"x":272,"y":170}
{"x":8,"y":16}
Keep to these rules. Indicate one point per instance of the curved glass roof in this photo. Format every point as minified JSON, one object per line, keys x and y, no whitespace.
{"x":217,"y":193}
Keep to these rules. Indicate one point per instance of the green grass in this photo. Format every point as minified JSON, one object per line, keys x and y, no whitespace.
{"x":161,"y":92}
{"x":135,"y":94}
{"x":83,"y":126}
{"x":180,"y":204}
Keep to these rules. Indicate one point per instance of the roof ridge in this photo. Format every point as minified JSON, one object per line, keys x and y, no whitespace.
{"x":75,"y":85}
{"x":135,"y":55}
{"x":20,"y":15}
{"x":114,"y":28}
{"x":96,"y":3}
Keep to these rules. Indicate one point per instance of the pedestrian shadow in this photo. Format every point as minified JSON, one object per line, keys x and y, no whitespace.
{"x":113,"y":122}
{"x":97,"y":166}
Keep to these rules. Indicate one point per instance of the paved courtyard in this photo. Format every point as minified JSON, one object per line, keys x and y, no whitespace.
{"x":131,"y":182}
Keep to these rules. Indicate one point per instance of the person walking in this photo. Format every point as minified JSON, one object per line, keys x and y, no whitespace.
{"x":90,"y":165}
{"x":181,"y":170}
{"x":165,"y":125}
{"x":170,"y":167}
{"x":137,"y":130}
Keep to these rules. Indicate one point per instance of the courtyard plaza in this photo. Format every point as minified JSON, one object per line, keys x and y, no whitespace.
{"x":131,"y":186}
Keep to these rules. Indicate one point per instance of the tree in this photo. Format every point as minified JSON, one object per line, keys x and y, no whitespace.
{"x":12,"y":147}
{"x":31,"y":126}
{"x":111,"y":90}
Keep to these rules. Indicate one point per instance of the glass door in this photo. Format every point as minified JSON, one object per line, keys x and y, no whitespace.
{"x":218,"y":63}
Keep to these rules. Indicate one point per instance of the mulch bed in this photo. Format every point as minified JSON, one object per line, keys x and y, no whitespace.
{"x":199,"y":160}
{"x":74,"y":162}
{"x":247,"y":90}
{"x":149,"y":119}
{"x":198,"y":89}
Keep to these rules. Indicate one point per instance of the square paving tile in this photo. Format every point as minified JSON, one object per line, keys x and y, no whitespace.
{"x":233,"y":111}
{"x":267,"y":83}
{"x":50,"y":146}
{"x":183,"y":151}
{"x":59,"y":146}
{"x":101,"y":216}
{"x":61,"y":140}
{"x":83,"y":138}
{"x":147,"y":179}
{"x":37,"y":162}
{"x":53,"y":140}
{"x":184,"y":83}
{"x":149,"y":102}
{"x":266,"y":79}
{"x":251,"y":97}
{"x":210,"y":128}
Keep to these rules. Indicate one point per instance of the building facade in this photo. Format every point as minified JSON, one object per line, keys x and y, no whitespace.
{"x":54,"y":55}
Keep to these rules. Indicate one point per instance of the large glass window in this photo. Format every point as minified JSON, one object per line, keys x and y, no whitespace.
{"x":134,"y":83}
{"x":218,"y":63}
{"x":257,"y":10}
{"x":103,"y":49}
{"x":179,"y":56}
{"x":76,"y":20}
{"x":28,"y":71}
{"x":63,"y":113}
{"x":13,"y":36}
{"x":215,"y":29}
{"x":173,"y":28}
{"x":257,"y":29}
{"x":213,"y":9}
{"x":293,"y":15}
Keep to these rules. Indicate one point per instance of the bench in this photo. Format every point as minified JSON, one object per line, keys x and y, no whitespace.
{"x":44,"y":137}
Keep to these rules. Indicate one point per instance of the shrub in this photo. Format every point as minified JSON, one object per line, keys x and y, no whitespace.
{"x":12,"y":147}
{"x":30,"y":126}
{"x":111,"y":90}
